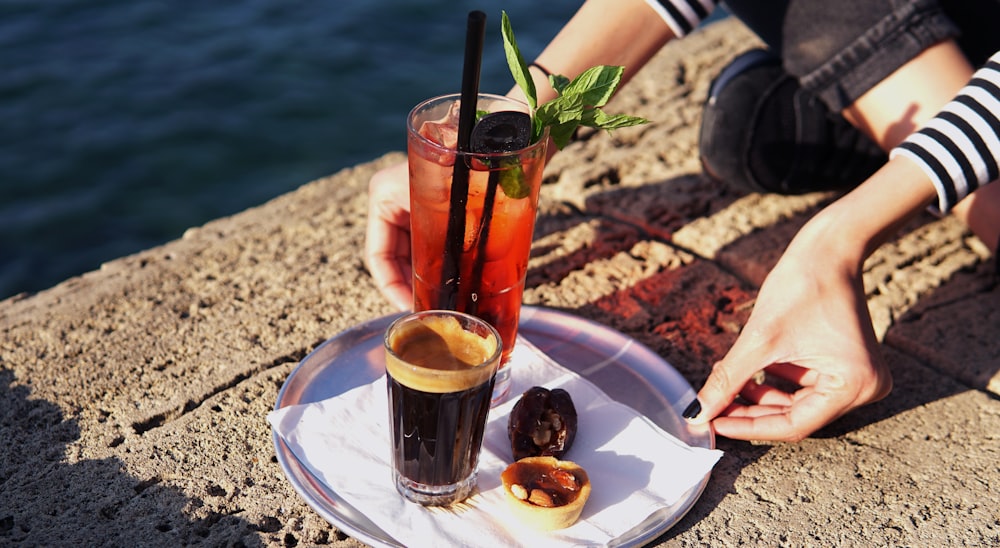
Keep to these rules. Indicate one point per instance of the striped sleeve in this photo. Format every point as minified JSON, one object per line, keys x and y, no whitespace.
{"x":960,"y":147}
{"x":682,"y":16}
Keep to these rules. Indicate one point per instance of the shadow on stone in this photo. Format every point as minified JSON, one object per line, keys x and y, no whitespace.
{"x":52,"y":496}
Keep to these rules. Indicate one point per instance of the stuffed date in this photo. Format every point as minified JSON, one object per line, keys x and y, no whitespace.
{"x":542,"y":423}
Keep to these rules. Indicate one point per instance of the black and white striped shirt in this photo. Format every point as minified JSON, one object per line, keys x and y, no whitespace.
{"x":682,"y":16}
{"x":960,"y":148}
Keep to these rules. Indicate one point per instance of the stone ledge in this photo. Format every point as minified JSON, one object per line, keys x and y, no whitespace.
{"x":134,"y":396}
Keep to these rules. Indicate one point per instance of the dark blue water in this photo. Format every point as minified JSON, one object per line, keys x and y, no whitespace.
{"x":125,"y":122}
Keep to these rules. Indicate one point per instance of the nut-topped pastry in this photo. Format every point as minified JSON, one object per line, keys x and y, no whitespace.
{"x":545,"y":492}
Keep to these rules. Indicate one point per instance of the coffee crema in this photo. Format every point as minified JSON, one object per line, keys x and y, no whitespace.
{"x":437,"y":355}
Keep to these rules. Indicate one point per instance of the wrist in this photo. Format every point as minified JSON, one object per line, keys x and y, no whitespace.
{"x":855,"y":225}
{"x":831,"y":240}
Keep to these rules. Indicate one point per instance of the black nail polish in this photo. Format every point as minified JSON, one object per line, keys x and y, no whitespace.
{"x":692,"y":410}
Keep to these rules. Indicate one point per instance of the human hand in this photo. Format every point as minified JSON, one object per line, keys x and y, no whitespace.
{"x":387,"y":239}
{"x":810,"y":328}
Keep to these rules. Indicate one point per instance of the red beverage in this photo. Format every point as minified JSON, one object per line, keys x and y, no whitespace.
{"x":488,"y":267}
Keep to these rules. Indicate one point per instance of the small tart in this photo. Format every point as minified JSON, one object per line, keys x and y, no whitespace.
{"x":546,"y":493}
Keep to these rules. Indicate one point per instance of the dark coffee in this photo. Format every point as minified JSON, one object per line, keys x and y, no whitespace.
{"x":437,"y":436}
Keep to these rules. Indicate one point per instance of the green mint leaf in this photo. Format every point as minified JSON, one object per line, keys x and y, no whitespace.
{"x":596,"y":85}
{"x":559,"y":82}
{"x":597,"y":118}
{"x":512,"y":180}
{"x":561,"y":115}
{"x":562,"y":134}
{"x":562,"y":109}
{"x":518,"y":68}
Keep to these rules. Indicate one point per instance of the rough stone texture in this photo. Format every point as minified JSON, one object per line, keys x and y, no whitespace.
{"x":133,"y":398}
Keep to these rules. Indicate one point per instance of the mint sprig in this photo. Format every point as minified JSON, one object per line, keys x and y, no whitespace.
{"x":579,"y":101}
{"x":518,"y":68}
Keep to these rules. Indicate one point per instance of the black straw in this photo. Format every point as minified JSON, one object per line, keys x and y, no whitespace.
{"x":455,"y":237}
{"x":479,"y":261}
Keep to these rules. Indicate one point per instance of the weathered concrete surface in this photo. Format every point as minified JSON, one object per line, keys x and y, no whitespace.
{"x":133,"y":398}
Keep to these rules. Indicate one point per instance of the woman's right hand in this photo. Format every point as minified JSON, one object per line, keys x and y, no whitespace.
{"x":387,"y":240}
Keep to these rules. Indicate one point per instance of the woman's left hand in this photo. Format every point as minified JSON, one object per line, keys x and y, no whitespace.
{"x":810,"y":328}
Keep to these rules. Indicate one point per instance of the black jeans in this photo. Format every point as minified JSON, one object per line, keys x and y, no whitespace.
{"x":839,"y":49}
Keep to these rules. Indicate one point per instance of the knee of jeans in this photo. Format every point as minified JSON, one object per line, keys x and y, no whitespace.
{"x":844,"y":68}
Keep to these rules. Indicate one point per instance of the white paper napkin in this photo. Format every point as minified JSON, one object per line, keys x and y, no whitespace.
{"x":635,"y":467}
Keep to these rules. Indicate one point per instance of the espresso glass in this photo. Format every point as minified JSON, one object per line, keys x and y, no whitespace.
{"x":440,"y":370}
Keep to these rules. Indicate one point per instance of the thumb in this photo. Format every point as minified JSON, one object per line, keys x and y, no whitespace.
{"x":721,"y":387}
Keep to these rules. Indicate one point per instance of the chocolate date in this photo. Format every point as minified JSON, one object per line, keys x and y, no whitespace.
{"x":542,"y":423}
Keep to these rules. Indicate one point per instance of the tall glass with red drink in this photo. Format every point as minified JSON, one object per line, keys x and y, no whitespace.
{"x":472,"y":223}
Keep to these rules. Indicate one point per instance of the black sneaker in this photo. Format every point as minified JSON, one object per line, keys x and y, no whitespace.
{"x":762,"y":132}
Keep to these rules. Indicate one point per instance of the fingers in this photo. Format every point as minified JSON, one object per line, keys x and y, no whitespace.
{"x":765,"y":395}
{"x":775,"y":426}
{"x":769,"y":413}
{"x":810,"y":411}
{"x":388,"y":258}
{"x":766,"y":412}
{"x":724,"y":383}
{"x":717,"y":393}
{"x":396,"y":289}
{"x":387,"y":236}
{"x":790,"y":372}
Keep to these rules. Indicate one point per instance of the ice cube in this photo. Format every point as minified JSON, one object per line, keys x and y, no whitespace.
{"x":444,"y":131}
{"x":441,"y":133}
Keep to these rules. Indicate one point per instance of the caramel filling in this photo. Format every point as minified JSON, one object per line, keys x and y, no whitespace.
{"x":542,"y":485}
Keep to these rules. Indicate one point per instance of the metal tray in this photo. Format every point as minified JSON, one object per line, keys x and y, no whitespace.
{"x":621,"y":366}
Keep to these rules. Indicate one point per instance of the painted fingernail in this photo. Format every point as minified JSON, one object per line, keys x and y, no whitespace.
{"x":692,"y":410}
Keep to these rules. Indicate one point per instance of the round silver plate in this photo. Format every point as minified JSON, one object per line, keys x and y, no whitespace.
{"x":621,"y":366}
